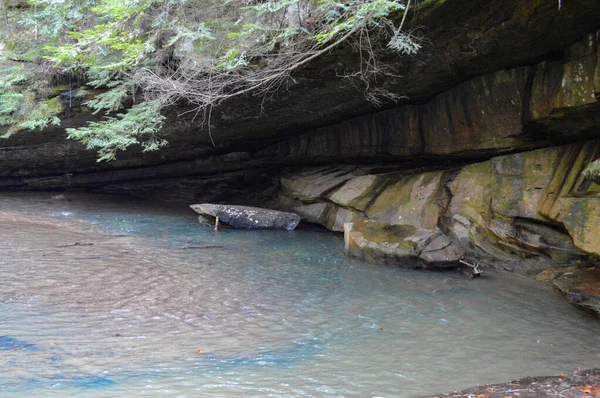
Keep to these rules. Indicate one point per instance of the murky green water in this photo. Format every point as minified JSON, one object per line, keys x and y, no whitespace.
{"x":149,"y":303}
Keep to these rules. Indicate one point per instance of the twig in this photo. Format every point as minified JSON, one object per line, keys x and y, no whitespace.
{"x":475,"y":267}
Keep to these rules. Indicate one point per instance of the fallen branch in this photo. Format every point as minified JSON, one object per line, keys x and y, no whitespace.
{"x":476,"y":270}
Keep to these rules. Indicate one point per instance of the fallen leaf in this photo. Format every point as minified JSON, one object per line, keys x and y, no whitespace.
{"x":587,"y":389}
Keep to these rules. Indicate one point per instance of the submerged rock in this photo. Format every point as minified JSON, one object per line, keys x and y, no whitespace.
{"x":401,"y":245}
{"x":246,"y":217}
{"x":580,"y":285}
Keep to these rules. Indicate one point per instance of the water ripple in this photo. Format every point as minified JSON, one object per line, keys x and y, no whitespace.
{"x":122,"y":299}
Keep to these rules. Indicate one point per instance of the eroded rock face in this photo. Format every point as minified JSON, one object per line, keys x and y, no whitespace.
{"x":400,"y":245}
{"x":503,"y":111}
{"x":246,"y":217}
{"x":580,"y":285}
{"x":527,"y":211}
{"x":573,"y":201}
{"x":568,"y":89}
{"x":392,"y":198}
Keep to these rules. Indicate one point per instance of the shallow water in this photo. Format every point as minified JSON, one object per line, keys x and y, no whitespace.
{"x":149,"y":303}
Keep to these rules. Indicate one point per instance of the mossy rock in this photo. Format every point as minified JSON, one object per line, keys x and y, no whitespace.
{"x":481,"y":114}
{"x":355,"y":189}
{"x":58,"y":90}
{"x":400,"y":245}
{"x":568,"y":200}
{"x":471,"y":193}
{"x":581,"y":217}
{"x":404,"y":200}
{"x":55,"y":106}
{"x":519,"y":180}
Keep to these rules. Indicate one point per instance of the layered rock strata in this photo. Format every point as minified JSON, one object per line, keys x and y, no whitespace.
{"x":493,"y":77}
{"x":528,"y":211}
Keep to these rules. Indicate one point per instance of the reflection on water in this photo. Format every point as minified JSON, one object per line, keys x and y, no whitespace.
{"x":102,"y":299}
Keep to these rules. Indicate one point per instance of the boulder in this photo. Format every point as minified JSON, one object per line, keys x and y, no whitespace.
{"x":246,"y":217}
{"x":400,"y":245}
{"x":580,"y":285}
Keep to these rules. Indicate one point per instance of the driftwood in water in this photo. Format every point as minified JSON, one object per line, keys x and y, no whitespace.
{"x":474,"y":270}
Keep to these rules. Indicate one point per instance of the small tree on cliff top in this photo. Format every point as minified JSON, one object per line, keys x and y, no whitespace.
{"x":147,"y":55}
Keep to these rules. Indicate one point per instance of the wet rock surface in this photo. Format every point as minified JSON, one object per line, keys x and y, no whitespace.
{"x":580,"y":384}
{"x":580,"y":285}
{"x":400,"y":245}
{"x":246,"y":217}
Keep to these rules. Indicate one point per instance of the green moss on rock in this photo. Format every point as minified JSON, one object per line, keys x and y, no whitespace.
{"x":405,"y":200}
{"x":54,"y":106}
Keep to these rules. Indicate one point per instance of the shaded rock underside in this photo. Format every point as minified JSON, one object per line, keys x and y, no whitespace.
{"x":527,"y":104}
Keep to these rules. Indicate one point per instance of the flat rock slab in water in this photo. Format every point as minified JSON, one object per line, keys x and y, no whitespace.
{"x":584,"y":383}
{"x":246,"y":217}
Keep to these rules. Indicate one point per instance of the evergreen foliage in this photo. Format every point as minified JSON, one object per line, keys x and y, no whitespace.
{"x":147,"y":55}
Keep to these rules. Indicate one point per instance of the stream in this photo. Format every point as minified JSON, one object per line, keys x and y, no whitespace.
{"x":111,"y":297}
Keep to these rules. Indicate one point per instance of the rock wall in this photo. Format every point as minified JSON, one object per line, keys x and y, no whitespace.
{"x":493,"y":77}
{"x":504,"y":111}
{"x":528,"y":211}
